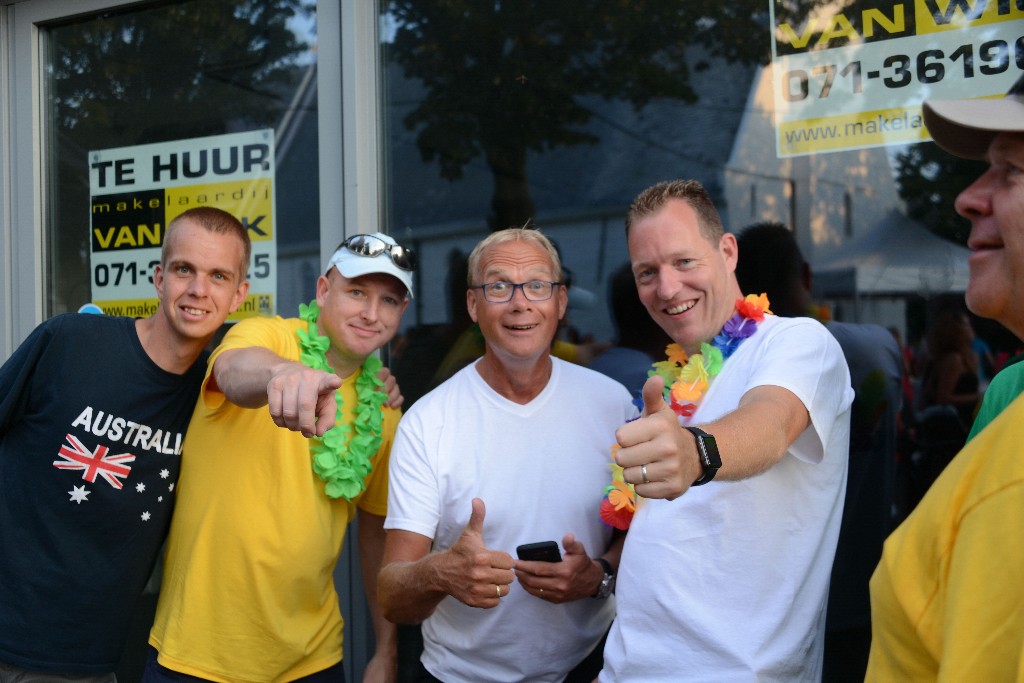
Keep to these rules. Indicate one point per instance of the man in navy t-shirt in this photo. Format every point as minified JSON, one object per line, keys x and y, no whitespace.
{"x":93,"y":412}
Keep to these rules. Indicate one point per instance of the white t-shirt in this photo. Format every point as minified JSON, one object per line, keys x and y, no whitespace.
{"x":541,"y":470}
{"x":729,"y":581}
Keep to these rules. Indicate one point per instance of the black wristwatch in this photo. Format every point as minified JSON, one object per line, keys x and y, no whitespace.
{"x":607,"y":586}
{"x":707,"y":451}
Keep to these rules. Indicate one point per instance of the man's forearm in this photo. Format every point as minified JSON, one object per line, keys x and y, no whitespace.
{"x":614,"y":552}
{"x":405,"y":592}
{"x":757,"y":434}
{"x":242,"y":375}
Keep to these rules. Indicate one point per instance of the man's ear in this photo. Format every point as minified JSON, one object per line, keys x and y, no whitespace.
{"x":471,"y":302}
{"x":158,"y":281}
{"x":729,"y":249}
{"x":239,"y":298}
{"x":323,"y":285}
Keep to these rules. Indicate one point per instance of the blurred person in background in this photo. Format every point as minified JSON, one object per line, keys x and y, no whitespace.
{"x":771,"y":262}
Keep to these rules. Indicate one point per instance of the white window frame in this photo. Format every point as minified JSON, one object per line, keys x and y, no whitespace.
{"x":350,"y":161}
{"x":349,"y":134}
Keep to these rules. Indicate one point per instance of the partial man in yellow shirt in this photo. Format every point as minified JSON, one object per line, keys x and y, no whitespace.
{"x":946,"y":596}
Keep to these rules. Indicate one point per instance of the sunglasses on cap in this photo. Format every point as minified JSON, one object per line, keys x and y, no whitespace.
{"x":368,"y":245}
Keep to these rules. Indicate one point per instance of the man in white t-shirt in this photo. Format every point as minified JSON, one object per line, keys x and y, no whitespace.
{"x":513,"y":449}
{"x":725,"y":571}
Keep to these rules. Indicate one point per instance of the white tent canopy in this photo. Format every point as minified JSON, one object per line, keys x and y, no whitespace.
{"x":899,"y":256}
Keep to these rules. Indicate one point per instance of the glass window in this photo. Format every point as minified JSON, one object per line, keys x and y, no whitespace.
{"x":557,"y":114}
{"x":173,"y":73}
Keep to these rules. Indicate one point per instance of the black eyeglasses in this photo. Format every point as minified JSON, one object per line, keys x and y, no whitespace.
{"x":368,"y":245}
{"x":502,"y":292}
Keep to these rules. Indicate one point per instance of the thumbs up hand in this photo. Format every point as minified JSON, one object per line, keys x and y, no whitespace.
{"x":472,"y":573}
{"x":653,"y":394}
{"x":656,"y":455}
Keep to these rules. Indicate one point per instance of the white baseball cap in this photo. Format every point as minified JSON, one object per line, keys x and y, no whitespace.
{"x":374,"y":253}
{"x":965,"y":128}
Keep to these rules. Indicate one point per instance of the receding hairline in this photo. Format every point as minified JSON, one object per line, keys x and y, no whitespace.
{"x":212,"y":220}
{"x":691,"y":192}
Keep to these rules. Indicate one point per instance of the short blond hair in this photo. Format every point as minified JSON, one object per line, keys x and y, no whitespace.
{"x":530,"y":235}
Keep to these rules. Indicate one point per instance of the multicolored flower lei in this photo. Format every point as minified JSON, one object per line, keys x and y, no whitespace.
{"x":619,"y":502}
{"x":343,"y":463}
{"x":687,"y":379}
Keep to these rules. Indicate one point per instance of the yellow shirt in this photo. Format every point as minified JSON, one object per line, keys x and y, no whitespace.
{"x":248,"y":591}
{"x":947,"y":600}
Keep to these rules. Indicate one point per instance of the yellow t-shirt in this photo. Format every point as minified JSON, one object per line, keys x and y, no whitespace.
{"x":248,"y":591}
{"x":946,"y":597}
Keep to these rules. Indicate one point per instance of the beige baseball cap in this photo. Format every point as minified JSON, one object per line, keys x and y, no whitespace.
{"x":965,"y":128}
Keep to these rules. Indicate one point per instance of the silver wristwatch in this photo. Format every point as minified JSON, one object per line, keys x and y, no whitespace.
{"x":607,"y":586}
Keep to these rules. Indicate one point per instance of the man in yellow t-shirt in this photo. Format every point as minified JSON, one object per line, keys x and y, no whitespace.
{"x":248,"y":592}
{"x":946,"y":598}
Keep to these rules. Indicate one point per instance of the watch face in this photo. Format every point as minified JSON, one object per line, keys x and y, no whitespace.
{"x":703,"y":451}
{"x":709,"y":451}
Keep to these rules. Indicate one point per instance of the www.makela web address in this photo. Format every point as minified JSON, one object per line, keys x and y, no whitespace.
{"x":879,"y":125}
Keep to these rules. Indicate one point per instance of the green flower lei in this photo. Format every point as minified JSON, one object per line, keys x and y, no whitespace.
{"x":343,"y":464}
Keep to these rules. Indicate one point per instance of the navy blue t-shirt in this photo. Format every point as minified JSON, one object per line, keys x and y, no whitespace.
{"x":90,"y":446}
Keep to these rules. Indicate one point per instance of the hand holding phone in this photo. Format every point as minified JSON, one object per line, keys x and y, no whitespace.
{"x":543,"y":551}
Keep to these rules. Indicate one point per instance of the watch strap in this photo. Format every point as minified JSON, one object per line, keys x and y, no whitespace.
{"x":709,"y":461}
{"x":607,"y":585}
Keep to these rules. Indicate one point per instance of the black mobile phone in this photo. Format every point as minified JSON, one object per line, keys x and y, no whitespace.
{"x":543,"y":551}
